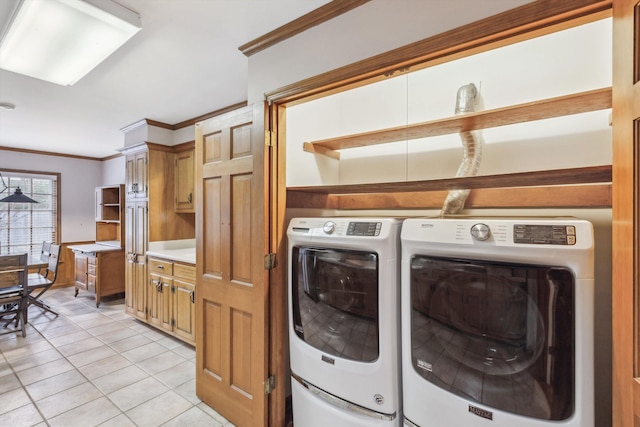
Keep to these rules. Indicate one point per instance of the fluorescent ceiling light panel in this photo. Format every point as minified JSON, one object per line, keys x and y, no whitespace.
{"x":60,"y":41}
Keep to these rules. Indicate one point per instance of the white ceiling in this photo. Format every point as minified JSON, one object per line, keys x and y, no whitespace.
{"x":184,"y":63}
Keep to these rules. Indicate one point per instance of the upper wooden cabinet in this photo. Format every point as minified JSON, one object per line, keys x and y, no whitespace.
{"x":137,"y":183}
{"x":151,"y":171}
{"x":184,"y":176}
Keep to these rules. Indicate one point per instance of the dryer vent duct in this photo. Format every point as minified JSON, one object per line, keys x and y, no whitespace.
{"x":472,"y":154}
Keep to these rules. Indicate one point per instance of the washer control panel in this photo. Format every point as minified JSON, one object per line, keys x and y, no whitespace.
{"x":480,"y":232}
{"x":544,"y":234}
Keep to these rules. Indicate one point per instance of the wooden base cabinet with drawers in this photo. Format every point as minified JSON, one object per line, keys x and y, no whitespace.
{"x":99,"y":271}
{"x":171,"y":298}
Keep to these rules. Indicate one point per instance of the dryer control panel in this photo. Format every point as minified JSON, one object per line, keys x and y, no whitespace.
{"x":357,"y":228}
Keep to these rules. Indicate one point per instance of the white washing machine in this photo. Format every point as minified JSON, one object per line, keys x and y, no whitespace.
{"x":344,"y":321}
{"x":497,"y":322}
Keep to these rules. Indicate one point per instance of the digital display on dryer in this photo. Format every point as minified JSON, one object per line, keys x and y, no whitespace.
{"x":544,"y":234}
{"x":364,"y":228}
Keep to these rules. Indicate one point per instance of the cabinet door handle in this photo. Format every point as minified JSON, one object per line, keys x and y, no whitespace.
{"x":193,"y":297}
{"x":161,"y":267}
{"x":190,"y":198}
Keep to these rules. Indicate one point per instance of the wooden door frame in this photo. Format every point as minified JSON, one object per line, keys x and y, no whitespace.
{"x":626,"y":221}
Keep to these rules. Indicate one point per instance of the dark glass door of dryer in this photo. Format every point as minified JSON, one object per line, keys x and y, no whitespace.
{"x":499,"y":334}
{"x":335,"y":301}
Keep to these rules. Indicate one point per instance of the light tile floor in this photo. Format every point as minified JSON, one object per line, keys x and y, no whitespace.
{"x":97,"y":366}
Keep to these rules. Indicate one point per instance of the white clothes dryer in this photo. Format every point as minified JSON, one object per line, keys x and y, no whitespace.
{"x":497,"y":322}
{"x":344,"y":321}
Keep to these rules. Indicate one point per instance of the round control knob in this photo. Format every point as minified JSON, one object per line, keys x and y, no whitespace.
{"x":329,"y":227}
{"x":480,"y":232}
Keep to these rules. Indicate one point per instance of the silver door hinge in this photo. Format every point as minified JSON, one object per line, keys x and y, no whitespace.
{"x":269,"y":384}
{"x":269,"y":140}
{"x":270,"y":261}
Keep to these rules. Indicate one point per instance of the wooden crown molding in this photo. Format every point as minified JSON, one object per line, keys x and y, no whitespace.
{"x":49,"y":153}
{"x":506,"y":27}
{"x":297,"y":26}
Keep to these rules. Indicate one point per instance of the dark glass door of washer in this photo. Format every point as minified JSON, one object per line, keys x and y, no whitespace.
{"x":499,"y":334}
{"x":335,"y":301}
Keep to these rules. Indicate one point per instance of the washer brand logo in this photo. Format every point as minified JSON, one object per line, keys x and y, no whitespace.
{"x":328,"y":360}
{"x":425,"y":365}
{"x":426,"y":225}
{"x":481,"y":412}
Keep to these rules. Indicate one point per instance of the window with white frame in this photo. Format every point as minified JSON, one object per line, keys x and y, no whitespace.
{"x":24,"y":226}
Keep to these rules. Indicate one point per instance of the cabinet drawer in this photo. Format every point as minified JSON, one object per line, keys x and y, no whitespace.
{"x":186,"y":272}
{"x":158,"y":266}
{"x":91,"y":269}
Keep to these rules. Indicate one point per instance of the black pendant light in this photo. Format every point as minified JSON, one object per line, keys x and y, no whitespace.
{"x":18,"y":197}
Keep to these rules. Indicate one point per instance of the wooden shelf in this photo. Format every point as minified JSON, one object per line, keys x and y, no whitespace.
{"x":560,"y":188}
{"x":583,"y":102}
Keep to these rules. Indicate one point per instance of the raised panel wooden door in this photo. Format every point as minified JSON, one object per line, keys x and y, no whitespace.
{"x":184,"y":178}
{"x":231,"y":292}
{"x":129,"y":268}
{"x":130,"y":175}
{"x":141,"y":177}
{"x":626,"y":213}
{"x":135,"y":258}
{"x":184,"y":314}
{"x":154,"y":299}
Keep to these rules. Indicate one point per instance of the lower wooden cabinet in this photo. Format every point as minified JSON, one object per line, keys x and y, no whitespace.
{"x":98,"y":270}
{"x":170,"y":298}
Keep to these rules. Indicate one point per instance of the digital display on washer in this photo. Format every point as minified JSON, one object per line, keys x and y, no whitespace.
{"x":544,"y":234}
{"x":364,"y":228}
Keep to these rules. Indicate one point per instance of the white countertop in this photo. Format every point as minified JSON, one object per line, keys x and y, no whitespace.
{"x":174,"y":250}
{"x":94,"y":247}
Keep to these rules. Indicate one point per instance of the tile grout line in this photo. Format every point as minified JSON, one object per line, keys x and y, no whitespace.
{"x":110,"y":345}
{"x":150,"y":375}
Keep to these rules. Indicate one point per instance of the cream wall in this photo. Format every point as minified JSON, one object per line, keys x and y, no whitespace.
{"x":373,"y":28}
{"x":78,"y":181}
{"x":571,"y":61}
{"x":113,"y":171}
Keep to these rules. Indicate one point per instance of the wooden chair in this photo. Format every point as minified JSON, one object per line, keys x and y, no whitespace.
{"x":45,"y":250}
{"x":41,"y":283}
{"x":13,"y":291}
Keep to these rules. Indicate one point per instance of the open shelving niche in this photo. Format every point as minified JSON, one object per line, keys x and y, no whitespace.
{"x":576,"y":187}
{"x":110,"y":215}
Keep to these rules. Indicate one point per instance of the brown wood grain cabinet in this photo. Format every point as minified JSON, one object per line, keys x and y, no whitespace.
{"x":99,"y":271}
{"x":99,"y":267}
{"x":151,"y":215}
{"x":136,"y":174}
{"x":136,"y":240}
{"x":171,"y":298}
{"x":184,"y":181}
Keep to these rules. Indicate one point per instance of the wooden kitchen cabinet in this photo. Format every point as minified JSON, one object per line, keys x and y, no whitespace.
{"x":136,"y":239}
{"x":110,"y":215}
{"x":99,"y":270}
{"x":171,"y":298}
{"x":137,"y":175}
{"x":184,"y":178}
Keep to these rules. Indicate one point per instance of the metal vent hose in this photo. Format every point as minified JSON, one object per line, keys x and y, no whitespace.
{"x":472,"y":153}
